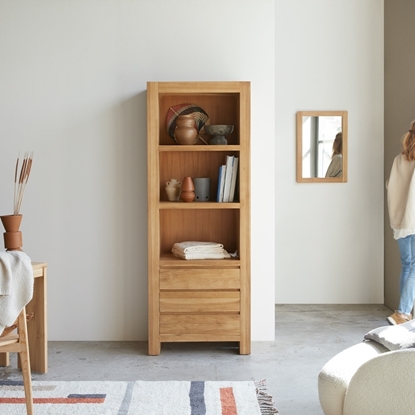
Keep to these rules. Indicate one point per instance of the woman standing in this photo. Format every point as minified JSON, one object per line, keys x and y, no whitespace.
{"x":335,"y":168}
{"x":401,"y":206}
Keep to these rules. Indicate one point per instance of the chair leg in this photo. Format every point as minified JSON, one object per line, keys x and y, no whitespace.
{"x":25,"y":363}
{"x":27,"y":381}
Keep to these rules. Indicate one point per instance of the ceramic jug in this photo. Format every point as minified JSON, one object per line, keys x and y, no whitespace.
{"x":173,"y":187}
{"x":185,"y":132}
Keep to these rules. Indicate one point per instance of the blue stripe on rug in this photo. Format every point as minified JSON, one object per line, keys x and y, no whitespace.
{"x":11,"y":383}
{"x":125,"y":404}
{"x":197,"y":398}
{"x":87,"y":395}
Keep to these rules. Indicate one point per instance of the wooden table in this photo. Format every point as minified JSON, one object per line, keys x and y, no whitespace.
{"x":37,"y":326}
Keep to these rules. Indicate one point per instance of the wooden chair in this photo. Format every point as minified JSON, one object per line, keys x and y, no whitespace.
{"x":18,"y":343}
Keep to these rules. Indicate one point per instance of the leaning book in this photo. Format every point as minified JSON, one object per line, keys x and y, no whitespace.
{"x":228,"y":178}
{"x":233,"y":179}
{"x":221,"y":183}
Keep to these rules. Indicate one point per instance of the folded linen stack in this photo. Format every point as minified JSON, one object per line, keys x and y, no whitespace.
{"x":199,"y":250}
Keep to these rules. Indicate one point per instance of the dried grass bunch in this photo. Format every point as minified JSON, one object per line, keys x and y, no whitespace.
{"x":21,"y":177}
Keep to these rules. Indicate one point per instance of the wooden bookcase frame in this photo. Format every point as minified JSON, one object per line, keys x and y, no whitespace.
{"x":198,"y":300}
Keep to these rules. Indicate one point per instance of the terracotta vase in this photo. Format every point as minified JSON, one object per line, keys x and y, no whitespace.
{"x":188,"y":190}
{"x":185,"y":132}
{"x":12,"y":237}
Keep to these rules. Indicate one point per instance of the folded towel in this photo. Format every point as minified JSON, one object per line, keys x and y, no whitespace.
{"x":16,"y":282}
{"x":199,"y":250}
{"x":194,"y":246}
{"x":201,"y":255}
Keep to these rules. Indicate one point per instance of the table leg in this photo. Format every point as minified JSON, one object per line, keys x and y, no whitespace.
{"x":37,"y":326}
{"x":4,"y":359}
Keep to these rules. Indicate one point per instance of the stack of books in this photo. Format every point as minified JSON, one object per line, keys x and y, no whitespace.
{"x":227,"y":180}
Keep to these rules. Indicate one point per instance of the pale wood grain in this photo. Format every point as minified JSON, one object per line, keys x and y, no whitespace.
{"x":200,"y":279}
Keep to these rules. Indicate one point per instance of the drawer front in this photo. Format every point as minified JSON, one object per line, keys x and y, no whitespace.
{"x":211,"y":327}
{"x":199,"y":301}
{"x":200,"y":279}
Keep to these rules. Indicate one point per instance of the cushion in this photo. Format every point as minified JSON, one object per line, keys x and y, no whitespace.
{"x":396,"y":337}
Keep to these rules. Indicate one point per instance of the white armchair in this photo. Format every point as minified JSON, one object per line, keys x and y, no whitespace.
{"x":369,"y":378}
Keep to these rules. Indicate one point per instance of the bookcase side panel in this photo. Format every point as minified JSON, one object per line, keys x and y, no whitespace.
{"x":153,"y":219}
{"x":245,"y":217}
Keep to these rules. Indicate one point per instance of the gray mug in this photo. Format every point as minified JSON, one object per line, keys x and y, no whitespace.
{"x":202,"y":188}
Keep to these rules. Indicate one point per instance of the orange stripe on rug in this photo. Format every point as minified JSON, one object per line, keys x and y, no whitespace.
{"x":54,"y":400}
{"x":228,"y":402}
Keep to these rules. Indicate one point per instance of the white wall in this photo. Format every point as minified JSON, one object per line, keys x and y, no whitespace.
{"x":329,"y":237}
{"x":73,"y":79}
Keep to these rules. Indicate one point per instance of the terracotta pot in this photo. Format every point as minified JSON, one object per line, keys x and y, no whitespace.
{"x":12,"y":237}
{"x":188,"y":188}
{"x":11,"y":223}
{"x":185,"y":132}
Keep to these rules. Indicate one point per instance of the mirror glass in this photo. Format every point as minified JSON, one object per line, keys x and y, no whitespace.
{"x":322,"y":146}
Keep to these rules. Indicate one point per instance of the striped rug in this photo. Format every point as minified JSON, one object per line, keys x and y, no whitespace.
{"x":139,"y":398}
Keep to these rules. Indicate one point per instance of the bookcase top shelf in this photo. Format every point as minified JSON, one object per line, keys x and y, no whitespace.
{"x":199,"y":148}
{"x":204,"y":87}
{"x":200,"y":205}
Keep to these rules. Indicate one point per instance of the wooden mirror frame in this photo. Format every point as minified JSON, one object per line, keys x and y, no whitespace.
{"x":300,"y":115}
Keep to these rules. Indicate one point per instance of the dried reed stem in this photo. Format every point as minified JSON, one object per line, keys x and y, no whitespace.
{"x":21,"y":179}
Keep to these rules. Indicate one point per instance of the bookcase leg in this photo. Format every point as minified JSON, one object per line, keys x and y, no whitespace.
{"x":154,"y":348}
{"x":244,"y":348}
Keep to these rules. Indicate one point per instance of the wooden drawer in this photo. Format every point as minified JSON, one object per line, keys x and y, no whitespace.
{"x":200,"y":279}
{"x":210,"y":327}
{"x":199,"y":301}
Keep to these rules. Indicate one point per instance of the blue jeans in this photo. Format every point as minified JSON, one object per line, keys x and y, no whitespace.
{"x":407,"y":280}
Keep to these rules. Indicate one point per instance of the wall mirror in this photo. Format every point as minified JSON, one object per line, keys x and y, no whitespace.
{"x":322,"y":146}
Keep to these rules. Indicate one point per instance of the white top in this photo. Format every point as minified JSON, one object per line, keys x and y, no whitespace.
{"x":335,"y":168}
{"x":401,"y":197}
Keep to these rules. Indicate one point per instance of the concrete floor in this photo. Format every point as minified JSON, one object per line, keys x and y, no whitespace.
{"x":306,"y":337}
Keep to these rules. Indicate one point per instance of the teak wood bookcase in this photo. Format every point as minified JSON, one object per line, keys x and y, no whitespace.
{"x":198,"y":300}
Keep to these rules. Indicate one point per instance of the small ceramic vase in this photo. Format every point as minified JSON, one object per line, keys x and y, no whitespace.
{"x":173,"y":188}
{"x":188,"y":190}
{"x":12,"y":236}
{"x":185,"y":132}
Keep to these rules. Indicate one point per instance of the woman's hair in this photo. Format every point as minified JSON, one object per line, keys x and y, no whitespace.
{"x":338,"y":144}
{"x":408,"y":143}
